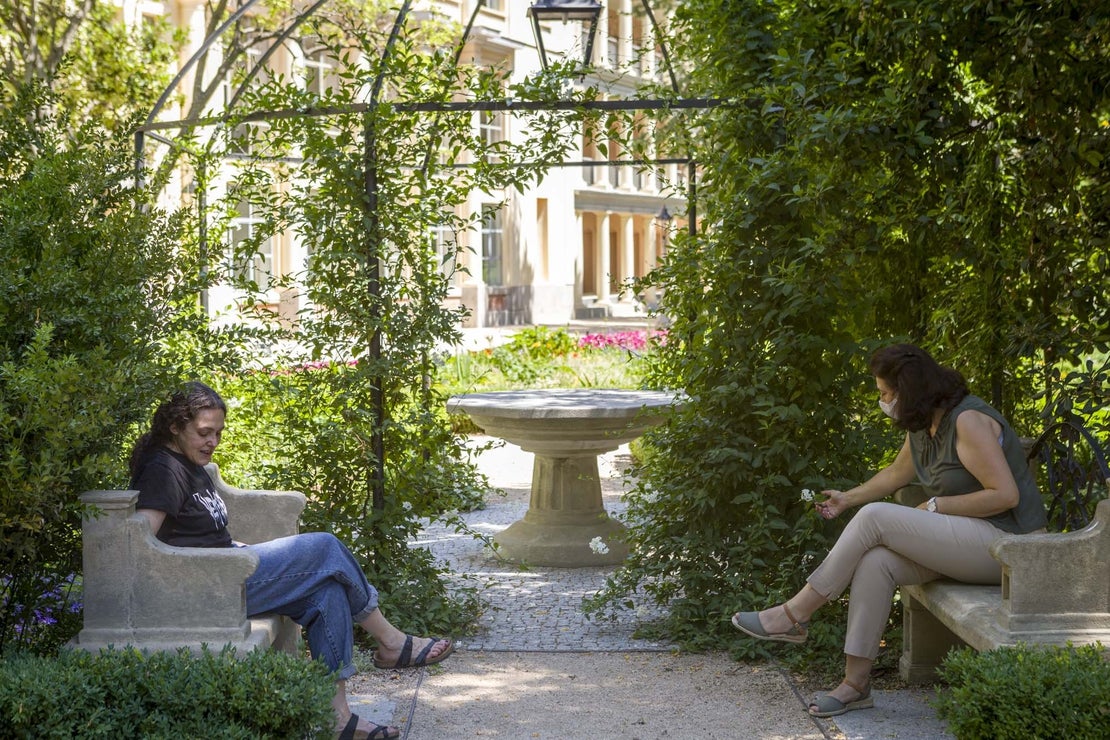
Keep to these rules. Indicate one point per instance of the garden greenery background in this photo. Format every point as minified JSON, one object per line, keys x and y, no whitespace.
{"x":933,"y":171}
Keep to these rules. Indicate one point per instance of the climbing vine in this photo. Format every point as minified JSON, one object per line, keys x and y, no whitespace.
{"x":926,"y":171}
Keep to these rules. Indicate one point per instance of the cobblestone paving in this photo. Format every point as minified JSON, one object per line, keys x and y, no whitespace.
{"x":536,"y":608}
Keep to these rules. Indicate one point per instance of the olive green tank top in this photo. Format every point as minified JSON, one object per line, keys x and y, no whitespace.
{"x":941,"y":473}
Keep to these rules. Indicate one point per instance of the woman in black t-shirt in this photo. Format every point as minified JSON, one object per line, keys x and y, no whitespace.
{"x":311,"y":578}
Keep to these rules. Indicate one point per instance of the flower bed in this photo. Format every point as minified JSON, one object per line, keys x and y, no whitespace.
{"x":636,"y":340}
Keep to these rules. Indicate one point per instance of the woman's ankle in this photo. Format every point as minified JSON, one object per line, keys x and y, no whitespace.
{"x":804,"y":604}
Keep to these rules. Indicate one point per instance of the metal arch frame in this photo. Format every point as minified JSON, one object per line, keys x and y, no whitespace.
{"x":1072,"y":488}
{"x":370,"y":165}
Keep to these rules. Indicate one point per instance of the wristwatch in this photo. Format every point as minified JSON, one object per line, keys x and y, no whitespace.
{"x":931,"y":504}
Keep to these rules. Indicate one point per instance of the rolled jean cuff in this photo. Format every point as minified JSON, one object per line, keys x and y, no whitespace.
{"x":346,"y":672}
{"x":370,"y":608}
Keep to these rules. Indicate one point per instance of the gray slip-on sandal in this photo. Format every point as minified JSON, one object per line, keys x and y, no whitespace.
{"x":824,"y":705}
{"x":748,"y":623}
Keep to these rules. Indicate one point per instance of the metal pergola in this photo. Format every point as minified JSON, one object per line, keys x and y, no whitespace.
{"x":153,"y":128}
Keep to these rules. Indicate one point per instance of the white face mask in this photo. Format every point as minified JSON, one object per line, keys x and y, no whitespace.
{"x":888,"y":408}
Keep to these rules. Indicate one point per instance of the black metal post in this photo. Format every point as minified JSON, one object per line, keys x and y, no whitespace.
{"x":692,"y":197}
{"x":372,"y":244}
{"x":200,"y":186}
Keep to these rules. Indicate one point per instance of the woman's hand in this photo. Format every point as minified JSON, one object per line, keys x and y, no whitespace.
{"x":888,"y":480}
{"x":835,"y":503}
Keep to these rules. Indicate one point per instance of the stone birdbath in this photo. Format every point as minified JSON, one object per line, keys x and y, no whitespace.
{"x":566,"y":429}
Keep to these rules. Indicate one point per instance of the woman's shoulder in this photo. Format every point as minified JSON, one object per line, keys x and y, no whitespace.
{"x":162,"y":463}
{"x":982,"y":414}
{"x":972,"y":403}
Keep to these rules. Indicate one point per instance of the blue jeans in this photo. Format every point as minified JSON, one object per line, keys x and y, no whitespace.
{"x":314,"y":580}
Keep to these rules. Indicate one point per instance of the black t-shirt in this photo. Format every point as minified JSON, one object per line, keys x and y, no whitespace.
{"x":195,"y":513}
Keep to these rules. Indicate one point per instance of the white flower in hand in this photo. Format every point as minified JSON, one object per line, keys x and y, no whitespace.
{"x":807,"y":495}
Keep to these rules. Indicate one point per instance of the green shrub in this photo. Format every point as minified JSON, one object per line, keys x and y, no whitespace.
{"x":531,"y":354}
{"x":117,"y":694}
{"x":91,"y":287}
{"x":293,"y":429}
{"x":1027,"y":693}
{"x":542,"y":342}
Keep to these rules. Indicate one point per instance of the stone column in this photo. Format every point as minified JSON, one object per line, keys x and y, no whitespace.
{"x":580,"y":259}
{"x":601,"y":40}
{"x":925,"y":642}
{"x":628,"y":256}
{"x":624,"y":53}
{"x":603,"y":261}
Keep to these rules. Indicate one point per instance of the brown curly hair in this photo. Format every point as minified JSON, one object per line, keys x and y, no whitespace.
{"x":179,"y":409}
{"x":922,"y":385}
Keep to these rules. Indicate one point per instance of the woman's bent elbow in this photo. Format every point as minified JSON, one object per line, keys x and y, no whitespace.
{"x":1007,"y":500}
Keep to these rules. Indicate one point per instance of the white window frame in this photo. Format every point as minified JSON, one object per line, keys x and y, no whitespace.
{"x":491,"y":131}
{"x":444,"y":239}
{"x":492,"y":226}
{"x":316,"y":70}
{"x":259,"y":267}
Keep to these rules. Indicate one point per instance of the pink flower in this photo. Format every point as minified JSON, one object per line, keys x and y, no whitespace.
{"x":637,"y":340}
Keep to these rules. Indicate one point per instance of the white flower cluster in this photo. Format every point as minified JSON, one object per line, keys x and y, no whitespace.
{"x":807,"y":495}
{"x":598,"y":546}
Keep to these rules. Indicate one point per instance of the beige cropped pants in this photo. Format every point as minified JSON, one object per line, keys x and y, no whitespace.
{"x":889,"y":545}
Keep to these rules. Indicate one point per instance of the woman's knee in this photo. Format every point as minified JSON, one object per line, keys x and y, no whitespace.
{"x":325,"y":544}
{"x":879,"y":511}
{"x":876,"y":565}
{"x":877,"y":516}
{"x":882,"y":567}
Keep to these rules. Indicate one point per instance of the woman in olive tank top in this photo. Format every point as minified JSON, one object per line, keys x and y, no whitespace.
{"x":973,"y":469}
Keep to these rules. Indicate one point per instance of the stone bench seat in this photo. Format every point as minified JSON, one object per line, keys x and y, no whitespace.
{"x":142,"y":592}
{"x":1055,"y":586}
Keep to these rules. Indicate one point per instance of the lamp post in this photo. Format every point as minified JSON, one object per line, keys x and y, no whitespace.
{"x":585,"y":11}
{"x":664,"y":218}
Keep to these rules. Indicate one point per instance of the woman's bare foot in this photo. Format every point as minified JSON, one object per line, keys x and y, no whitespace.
{"x":413,"y":652}
{"x":353,"y":727}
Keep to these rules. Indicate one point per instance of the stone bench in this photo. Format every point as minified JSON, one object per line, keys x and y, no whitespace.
{"x":1055,"y":586}
{"x":142,"y":592}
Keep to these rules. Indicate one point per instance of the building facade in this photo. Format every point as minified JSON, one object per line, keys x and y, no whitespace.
{"x":565,"y":249}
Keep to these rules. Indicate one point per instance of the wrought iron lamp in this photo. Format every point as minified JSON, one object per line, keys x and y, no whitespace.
{"x":588,"y":12}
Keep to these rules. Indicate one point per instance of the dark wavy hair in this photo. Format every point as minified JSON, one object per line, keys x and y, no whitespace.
{"x":922,"y":385}
{"x":179,"y":409}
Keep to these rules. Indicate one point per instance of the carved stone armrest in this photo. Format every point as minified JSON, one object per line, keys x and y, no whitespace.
{"x":1058,"y":574}
{"x":187,"y":587}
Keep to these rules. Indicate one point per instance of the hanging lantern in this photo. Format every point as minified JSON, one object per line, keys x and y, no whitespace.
{"x":587,"y":12}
